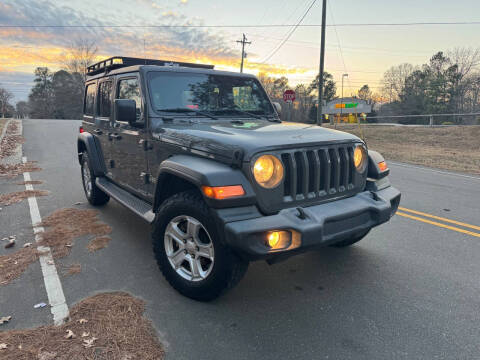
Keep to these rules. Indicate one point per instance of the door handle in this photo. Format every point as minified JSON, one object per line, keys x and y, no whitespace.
{"x":98,"y":131}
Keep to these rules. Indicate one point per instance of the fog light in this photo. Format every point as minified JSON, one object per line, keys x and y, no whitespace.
{"x":277,"y":240}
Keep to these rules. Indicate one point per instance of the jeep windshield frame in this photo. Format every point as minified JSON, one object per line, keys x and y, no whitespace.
{"x":208,"y":95}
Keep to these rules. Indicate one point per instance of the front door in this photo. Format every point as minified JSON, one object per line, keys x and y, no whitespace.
{"x":129,"y":165}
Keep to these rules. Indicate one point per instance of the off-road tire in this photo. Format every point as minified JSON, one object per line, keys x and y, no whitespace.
{"x":228,"y":269}
{"x":96,"y":197}
{"x":351,"y":241}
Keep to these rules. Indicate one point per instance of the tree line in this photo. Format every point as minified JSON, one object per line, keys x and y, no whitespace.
{"x":304,"y":109}
{"x":55,"y":95}
{"x":448,"y":84}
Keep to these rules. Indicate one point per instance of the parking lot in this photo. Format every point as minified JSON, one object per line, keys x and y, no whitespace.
{"x":410,"y":289}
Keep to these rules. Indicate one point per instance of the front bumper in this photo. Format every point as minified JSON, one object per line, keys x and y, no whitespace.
{"x":323,"y":224}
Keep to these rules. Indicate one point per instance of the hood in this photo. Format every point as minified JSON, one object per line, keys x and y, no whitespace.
{"x":250,"y":137}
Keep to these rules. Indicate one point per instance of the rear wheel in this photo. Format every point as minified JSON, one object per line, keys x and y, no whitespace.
{"x":189,"y":250}
{"x":352,"y":240}
{"x":94,"y":195}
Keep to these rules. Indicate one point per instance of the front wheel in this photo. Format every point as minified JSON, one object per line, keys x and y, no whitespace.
{"x":189,"y":250}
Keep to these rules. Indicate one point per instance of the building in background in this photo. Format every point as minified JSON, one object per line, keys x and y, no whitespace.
{"x":345,"y":109}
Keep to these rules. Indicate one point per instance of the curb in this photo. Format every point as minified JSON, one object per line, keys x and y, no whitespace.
{"x":17,"y":156}
{"x":4,"y":130}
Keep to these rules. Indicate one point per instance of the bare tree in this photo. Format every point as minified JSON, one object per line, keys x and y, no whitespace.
{"x":467,"y":59}
{"x":79,"y":54}
{"x":394,"y":80}
{"x":365,"y":93}
{"x":5,"y":97}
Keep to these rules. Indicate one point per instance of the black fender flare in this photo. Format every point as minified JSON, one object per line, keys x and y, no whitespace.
{"x":204,"y":172}
{"x":87,"y":141}
{"x":374,"y":172}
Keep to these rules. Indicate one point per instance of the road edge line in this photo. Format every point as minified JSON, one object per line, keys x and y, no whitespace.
{"x":435,"y":170}
{"x":53,"y":285}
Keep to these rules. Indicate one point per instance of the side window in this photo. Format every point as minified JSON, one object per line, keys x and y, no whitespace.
{"x":105,"y":99}
{"x":129,"y":89}
{"x":89,"y":99}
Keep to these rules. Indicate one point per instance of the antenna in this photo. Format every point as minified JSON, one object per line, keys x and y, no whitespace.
{"x":144,"y":51}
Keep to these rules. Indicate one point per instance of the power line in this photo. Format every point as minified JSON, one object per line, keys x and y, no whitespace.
{"x":245,"y":25}
{"x":289,"y":34}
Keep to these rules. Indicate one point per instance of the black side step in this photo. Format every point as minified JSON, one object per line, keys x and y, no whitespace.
{"x":138,"y":206}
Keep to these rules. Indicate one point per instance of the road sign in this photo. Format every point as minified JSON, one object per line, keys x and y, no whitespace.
{"x":289,"y":96}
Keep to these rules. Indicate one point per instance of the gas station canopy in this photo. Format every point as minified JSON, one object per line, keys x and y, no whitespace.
{"x":347,"y":106}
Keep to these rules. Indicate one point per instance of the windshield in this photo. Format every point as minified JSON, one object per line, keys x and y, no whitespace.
{"x":215,"y":94}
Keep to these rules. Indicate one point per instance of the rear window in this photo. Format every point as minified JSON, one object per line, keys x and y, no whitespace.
{"x":89,"y":99}
{"x":105,"y":99}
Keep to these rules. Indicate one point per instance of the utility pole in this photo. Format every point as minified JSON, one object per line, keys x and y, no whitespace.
{"x":244,"y":55}
{"x":322,"y":60}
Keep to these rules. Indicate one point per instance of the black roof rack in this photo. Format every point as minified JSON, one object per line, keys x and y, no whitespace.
{"x":121,"y":61}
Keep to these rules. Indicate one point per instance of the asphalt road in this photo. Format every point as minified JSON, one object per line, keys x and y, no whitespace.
{"x":409,"y":290}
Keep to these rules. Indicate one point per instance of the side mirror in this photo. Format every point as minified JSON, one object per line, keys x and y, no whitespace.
{"x":278,"y":107}
{"x":126,"y":111}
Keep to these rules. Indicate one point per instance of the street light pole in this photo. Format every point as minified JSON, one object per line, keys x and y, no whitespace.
{"x":341,"y":104}
{"x":322,"y":60}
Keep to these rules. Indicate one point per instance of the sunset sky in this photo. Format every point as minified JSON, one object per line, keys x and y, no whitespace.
{"x":367,"y":51}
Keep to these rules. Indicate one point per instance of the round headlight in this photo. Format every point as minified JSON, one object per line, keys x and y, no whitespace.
{"x":360,"y":158}
{"x":268,"y":171}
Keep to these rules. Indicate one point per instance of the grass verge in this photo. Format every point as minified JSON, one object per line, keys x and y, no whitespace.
{"x":455,"y":148}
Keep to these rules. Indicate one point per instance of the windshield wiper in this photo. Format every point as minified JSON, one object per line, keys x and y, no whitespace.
{"x":254,"y":115}
{"x":240,"y":111}
{"x":187,"y":110}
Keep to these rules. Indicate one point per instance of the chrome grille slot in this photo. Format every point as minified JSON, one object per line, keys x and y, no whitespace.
{"x":318,"y":173}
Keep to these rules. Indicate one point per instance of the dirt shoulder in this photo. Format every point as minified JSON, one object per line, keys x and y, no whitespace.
{"x":455,"y":148}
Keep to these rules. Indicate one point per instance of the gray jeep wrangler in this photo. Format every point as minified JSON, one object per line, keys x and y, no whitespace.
{"x":202,"y":155}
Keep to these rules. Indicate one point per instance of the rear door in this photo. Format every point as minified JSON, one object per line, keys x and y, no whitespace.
{"x":103,"y":118}
{"x":91,"y":122}
{"x":128,"y":154}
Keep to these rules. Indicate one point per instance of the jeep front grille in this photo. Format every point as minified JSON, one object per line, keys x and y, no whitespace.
{"x":318,"y":173}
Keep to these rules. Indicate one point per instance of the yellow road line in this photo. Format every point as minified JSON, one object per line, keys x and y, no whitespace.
{"x":438,"y":224}
{"x":440,"y":218}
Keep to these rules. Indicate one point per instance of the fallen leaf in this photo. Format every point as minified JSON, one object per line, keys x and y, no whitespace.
{"x":88,"y":343}
{"x":5,"y":319}
{"x":70,"y":334}
{"x":83,"y":321}
{"x":47,"y":355}
{"x":85,"y":334}
{"x":10,"y":243}
{"x":27,"y":245}
{"x":3,"y":346}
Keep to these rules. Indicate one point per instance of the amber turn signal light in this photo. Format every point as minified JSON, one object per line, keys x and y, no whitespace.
{"x":223,"y":192}
{"x":382,"y":166}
